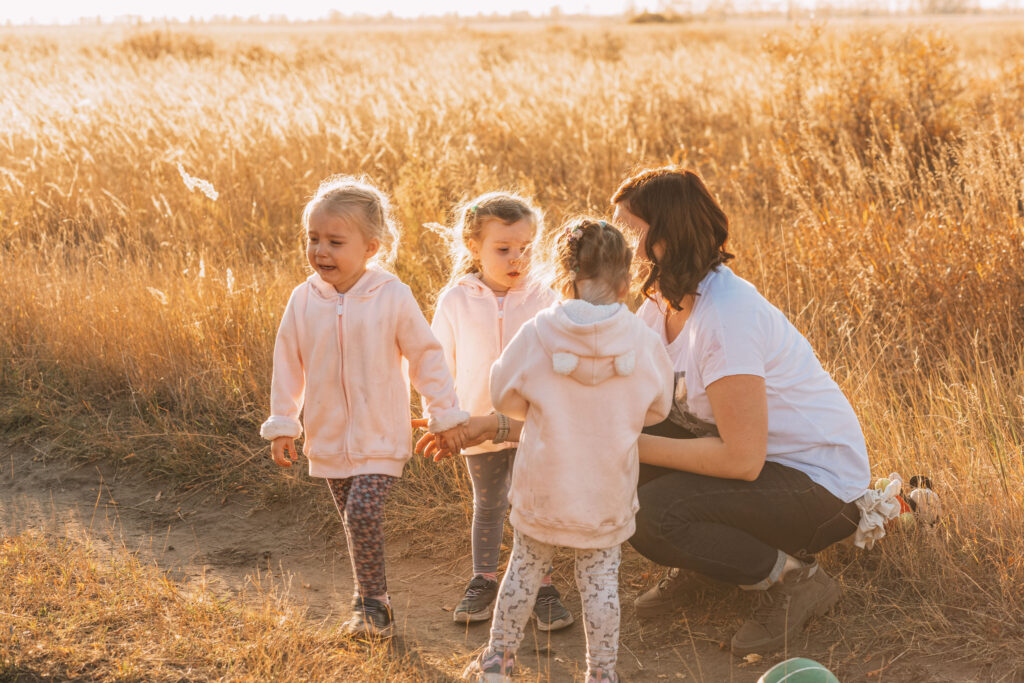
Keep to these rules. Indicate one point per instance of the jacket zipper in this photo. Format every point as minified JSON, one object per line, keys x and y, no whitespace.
{"x":501,"y":322}
{"x":341,"y":372}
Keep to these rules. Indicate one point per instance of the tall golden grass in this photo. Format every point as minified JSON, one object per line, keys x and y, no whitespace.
{"x":874,"y":176}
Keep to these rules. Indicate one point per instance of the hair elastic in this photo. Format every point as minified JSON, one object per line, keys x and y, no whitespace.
{"x":574,"y":246}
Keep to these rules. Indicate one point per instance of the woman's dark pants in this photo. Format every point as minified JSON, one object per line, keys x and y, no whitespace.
{"x":732,"y":530}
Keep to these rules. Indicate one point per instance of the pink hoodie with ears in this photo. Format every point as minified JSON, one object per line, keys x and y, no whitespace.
{"x":344,"y":374}
{"x":473,"y":331}
{"x":586,"y":379}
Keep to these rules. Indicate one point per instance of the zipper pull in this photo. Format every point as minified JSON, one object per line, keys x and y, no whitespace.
{"x":341,"y":303}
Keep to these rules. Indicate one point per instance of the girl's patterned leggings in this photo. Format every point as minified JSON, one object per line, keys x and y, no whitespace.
{"x":597,"y":577}
{"x":360,"y":501}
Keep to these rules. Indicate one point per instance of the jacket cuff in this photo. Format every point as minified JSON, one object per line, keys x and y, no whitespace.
{"x":277,"y":425}
{"x":447,"y":419}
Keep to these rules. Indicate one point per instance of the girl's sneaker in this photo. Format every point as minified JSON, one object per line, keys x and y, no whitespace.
{"x":371,"y":617}
{"x":495,"y":668}
{"x":549,"y":611}
{"x":603,"y":676}
{"x":478,"y":602}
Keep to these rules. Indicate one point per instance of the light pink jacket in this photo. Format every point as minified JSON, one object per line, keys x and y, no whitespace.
{"x":345,"y":374}
{"x":473,"y":332}
{"x":585,"y":390}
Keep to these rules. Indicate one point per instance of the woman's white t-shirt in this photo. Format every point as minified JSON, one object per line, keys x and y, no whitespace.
{"x":733,"y":330}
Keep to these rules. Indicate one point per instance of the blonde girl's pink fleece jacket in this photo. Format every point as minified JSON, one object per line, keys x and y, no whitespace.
{"x":345,"y":375}
{"x":473,"y":330}
{"x":586,"y":379}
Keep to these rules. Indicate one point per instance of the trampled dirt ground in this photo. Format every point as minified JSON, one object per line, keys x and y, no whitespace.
{"x":202,"y":537}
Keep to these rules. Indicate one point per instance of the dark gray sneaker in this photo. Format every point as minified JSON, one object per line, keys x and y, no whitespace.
{"x":370,"y":617}
{"x":678,"y":588}
{"x":478,"y":602}
{"x":783,"y":609}
{"x":549,"y":611}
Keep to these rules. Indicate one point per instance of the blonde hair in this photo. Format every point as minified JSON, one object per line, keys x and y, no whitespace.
{"x":355,"y":199}
{"x":470,"y":217}
{"x":588,"y":259}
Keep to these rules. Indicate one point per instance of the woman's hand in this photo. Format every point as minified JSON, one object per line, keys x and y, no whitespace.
{"x":281,"y":449}
{"x":476,"y":431}
{"x":454,"y":439}
{"x":739,"y":404}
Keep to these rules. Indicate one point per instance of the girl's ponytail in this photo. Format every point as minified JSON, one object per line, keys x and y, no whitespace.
{"x":589,"y":259}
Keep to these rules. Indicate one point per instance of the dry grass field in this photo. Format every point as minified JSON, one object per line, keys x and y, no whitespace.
{"x":873,"y":174}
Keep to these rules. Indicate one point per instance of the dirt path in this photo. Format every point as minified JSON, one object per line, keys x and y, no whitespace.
{"x":225,"y":543}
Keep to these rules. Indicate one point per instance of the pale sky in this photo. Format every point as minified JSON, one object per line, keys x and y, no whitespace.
{"x":65,"y":11}
{"x":70,"y":11}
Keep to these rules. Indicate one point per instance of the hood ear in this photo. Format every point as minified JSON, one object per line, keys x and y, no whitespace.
{"x":626,"y":363}
{"x":564,"y":363}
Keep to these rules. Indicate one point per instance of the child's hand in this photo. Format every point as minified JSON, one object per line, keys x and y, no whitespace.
{"x":432,"y":446}
{"x":478,"y":430}
{"x":281,"y":449}
{"x":455,"y":439}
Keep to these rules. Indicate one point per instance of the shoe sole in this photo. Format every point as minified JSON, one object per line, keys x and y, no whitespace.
{"x":476,"y":676}
{"x":827,"y":602}
{"x":371,"y":631}
{"x":473,"y":617}
{"x":555,"y":625}
{"x":657,"y":609}
{"x":487,"y":678}
{"x":682,"y":598}
{"x":473,"y":673}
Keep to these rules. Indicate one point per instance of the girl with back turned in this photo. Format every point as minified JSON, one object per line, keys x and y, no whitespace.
{"x":338,"y":361}
{"x":585,"y":376}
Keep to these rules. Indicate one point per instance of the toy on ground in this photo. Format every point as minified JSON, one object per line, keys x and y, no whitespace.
{"x":798,"y":670}
{"x":926,"y":505}
{"x":923,"y":501}
{"x":920,"y":505}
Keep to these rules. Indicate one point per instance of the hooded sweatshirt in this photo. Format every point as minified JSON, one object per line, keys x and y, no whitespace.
{"x":586,"y":379}
{"x":473,"y":329}
{"x":339,"y":363}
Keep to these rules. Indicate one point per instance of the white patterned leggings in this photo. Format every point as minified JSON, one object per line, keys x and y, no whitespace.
{"x":597,"y":577}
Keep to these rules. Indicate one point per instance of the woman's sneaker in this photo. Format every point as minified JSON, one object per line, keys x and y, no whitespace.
{"x":478,"y":602}
{"x":549,"y":611}
{"x":496,"y":668}
{"x":675,"y":590}
{"x":783,"y":609}
{"x":371,"y":617}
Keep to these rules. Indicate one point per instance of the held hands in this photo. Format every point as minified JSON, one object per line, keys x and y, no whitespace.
{"x":455,"y":438}
{"x":446,"y":444}
{"x":281,"y":449}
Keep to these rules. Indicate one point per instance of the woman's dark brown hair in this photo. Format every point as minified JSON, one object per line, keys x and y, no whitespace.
{"x":686,"y":220}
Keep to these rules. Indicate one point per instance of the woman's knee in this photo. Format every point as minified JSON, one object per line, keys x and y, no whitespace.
{"x":668,"y":506}
{"x":649,"y":539}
